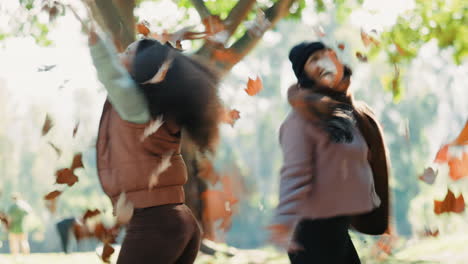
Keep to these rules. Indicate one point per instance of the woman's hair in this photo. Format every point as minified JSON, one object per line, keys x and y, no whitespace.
{"x":187,"y":93}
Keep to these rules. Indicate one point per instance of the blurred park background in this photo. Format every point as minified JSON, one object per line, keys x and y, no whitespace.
{"x":414,"y":76}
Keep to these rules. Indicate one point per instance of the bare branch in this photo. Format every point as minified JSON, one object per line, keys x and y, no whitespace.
{"x":201,"y":8}
{"x":237,"y":14}
{"x":119,"y":23}
{"x":248,"y":41}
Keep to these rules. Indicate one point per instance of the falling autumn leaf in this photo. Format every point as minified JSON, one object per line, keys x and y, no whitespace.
{"x":361,"y":57}
{"x":385,"y":243}
{"x":400,"y":50}
{"x":90,"y":213}
{"x":48,"y":124}
{"x":230,"y":116}
{"x":152,"y":127}
{"x":207,"y":172}
{"x":458,"y":168}
{"x":104,"y":234}
{"x":429,"y":233}
{"x":66,"y":176}
{"x":213,"y":25}
{"x":450,"y":204}
{"x":52,"y":195}
{"x":57,"y":150}
{"x":123,"y":210}
{"x":161,"y":73}
{"x":259,"y":25}
{"x":462,"y":138}
{"x":217,"y":205}
{"x":77,"y":162}
{"x":75,"y":129}
{"x":341,"y":46}
{"x":254,"y":86}
{"x":319,"y":31}
{"x":4,"y":219}
{"x":143,"y":28}
{"x":368,"y":40}
{"x":428,"y":175}
{"x":107,"y":251}
{"x":46,"y":68}
{"x":442,"y":155}
{"x":160,"y":168}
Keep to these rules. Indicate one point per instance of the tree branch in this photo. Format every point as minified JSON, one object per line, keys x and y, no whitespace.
{"x":248,"y":41}
{"x":120,"y":24}
{"x":237,"y":14}
{"x":201,"y":8}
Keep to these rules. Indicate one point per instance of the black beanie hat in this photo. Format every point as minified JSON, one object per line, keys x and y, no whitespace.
{"x":149,"y":57}
{"x":298,"y":57}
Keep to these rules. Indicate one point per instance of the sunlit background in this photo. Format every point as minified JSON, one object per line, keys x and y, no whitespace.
{"x":432,"y":110}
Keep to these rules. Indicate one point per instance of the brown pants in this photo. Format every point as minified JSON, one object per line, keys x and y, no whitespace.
{"x":163,"y":234}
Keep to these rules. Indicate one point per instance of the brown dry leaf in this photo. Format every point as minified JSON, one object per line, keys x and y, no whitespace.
{"x":90,"y":213}
{"x":123,"y":210}
{"x":230,"y":116}
{"x":429,"y":175}
{"x":213,"y":25}
{"x":4,"y":219}
{"x":81,"y":231}
{"x":400,"y":50}
{"x":48,"y":124}
{"x":361,"y":57}
{"x":217,"y":205}
{"x":462,"y":138}
{"x":66,"y":176}
{"x":107,"y":251}
{"x":77,"y":162}
{"x":52,"y":195}
{"x":207,"y":172}
{"x":429,"y":233}
{"x":106,"y":235}
{"x":458,"y":168}
{"x":152,"y":127}
{"x":143,"y":28}
{"x":161,"y":73}
{"x":450,"y":204}
{"x":385,"y":243}
{"x":368,"y":40}
{"x":75,"y":129}
{"x":57,"y":150}
{"x":160,"y":168}
{"x":442,"y":155}
{"x":257,"y":27}
{"x":254,"y":86}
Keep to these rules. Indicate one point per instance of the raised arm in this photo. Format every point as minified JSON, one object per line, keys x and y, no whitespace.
{"x":122,"y":91}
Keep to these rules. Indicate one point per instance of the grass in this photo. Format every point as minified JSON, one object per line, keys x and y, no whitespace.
{"x":446,"y":250}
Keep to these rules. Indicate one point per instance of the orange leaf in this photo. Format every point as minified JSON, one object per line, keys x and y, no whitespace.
{"x":66,"y":176}
{"x":77,"y":162}
{"x":428,"y":232}
{"x":217,"y":205}
{"x":213,"y":24}
{"x":254,"y":86}
{"x":442,"y":154}
{"x":206,"y":171}
{"x":361,"y":57}
{"x":400,"y":50}
{"x":341,"y":46}
{"x":458,"y":168}
{"x":107,"y":251}
{"x":90,"y":213}
{"x":367,"y":39}
{"x":48,"y":124}
{"x":52,"y":195}
{"x":449,"y":204}
{"x":462,"y":138}
{"x":143,"y":28}
{"x":230,"y":116}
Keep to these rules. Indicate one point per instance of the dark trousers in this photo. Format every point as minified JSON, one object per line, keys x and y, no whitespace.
{"x":64,"y":227}
{"x":324,"y":241}
{"x":163,"y":234}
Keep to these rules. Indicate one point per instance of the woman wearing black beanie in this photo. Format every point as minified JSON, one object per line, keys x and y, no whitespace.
{"x":335,"y":169}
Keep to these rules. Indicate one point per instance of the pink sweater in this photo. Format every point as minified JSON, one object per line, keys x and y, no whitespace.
{"x":319,"y":178}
